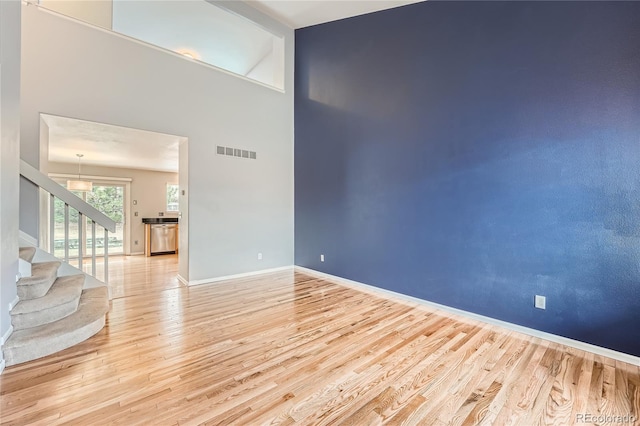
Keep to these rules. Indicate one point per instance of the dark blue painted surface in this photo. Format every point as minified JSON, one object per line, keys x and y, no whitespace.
{"x":475,"y":154}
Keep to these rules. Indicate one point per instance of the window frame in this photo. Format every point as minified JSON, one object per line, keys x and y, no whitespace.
{"x":177,"y":200}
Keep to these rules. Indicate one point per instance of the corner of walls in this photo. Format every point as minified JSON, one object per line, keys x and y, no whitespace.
{"x":456,"y":152}
{"x":403,"y":298}
{"x":240,"y":207}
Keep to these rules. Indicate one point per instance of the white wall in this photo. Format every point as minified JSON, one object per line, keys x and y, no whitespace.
{"x":148,"y":188}
{"x":269,"y":68}
{"x":96,"y":12}
{"x":9,"y":155}
{"x":183,"y":184}
{"x":237,"y":207}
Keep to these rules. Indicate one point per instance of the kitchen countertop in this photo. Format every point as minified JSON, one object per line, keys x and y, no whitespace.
{"x":153,"y":220}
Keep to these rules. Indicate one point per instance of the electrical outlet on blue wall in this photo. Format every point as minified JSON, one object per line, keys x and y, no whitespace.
{"x":496,"y":154}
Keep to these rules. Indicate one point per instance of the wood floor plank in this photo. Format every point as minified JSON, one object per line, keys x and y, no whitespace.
{"x":287,"y":348}
{"x":582,"y":380}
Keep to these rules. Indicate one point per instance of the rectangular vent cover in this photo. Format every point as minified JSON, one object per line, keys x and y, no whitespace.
{"x":236,"y":152}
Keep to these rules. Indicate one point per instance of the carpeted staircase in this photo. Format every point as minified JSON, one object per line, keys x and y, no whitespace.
{"x":53,"y":313}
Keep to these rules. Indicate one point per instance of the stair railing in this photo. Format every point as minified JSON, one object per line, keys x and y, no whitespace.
{"x":84,"y":209}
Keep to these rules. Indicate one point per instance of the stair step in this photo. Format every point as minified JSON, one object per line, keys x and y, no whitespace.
{"x":60,"y":301}
{"x":43,"y":275}
{"x":27,"y":253}
{"x":32,"y":343}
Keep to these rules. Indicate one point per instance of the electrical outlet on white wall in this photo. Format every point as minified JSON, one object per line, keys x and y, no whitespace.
{"x":259,"y":256}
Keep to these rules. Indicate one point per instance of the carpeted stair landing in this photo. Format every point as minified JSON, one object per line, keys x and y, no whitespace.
{"x":53,"y":313}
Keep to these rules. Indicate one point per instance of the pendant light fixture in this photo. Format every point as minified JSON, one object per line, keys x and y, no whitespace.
{"x":79,"y":185}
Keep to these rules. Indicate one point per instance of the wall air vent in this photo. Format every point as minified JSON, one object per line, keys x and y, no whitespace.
{"x":236,"y":152}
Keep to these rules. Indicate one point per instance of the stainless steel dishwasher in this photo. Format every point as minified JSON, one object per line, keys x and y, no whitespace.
{"x":163,"y":238}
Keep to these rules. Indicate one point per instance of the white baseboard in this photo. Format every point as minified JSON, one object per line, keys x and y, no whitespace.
{"x":182,"y":280}
{"x":232,"y":277}
{"x":138,"y":253}
{"x":598,"y":350}
{"x":6,"y":335}
{"x":28,"y":239}
{"x":24,"y":268}
{"x":13,"y":303}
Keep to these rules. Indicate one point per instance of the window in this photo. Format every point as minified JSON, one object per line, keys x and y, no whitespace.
{"x":197,"y":29}
{"x":207,"y":33}
{"x":106,"y":198}
{"x":172,"y":198}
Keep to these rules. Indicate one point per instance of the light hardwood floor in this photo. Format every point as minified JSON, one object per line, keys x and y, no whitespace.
{"x":286,"y":348}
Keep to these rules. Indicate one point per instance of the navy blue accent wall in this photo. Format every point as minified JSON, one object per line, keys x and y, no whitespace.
{"x":475,"y":154}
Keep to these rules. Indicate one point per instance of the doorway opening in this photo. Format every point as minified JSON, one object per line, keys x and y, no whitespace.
{"x":130,"y":171}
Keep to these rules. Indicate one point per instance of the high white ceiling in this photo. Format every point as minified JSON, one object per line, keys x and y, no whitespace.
{"x":110,"y":146}
{"x":303,"y":13}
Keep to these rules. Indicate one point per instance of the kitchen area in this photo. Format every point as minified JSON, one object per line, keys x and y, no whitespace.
{"x":160,"y":235}
{"x":142,"y":185}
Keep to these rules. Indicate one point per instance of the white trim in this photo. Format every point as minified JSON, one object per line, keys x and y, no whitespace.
{"x":14,"y":303}
{"x":137,"y":253}
{"x":235,"y":276}
{"x":6,"y":335}
{"x":99,"y":178}
{"x":1,"y":366}
{"x":28,"y":239}
{"x":126,"y":210}
{"x":598,"y":350}
{"x":182,"y":280}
